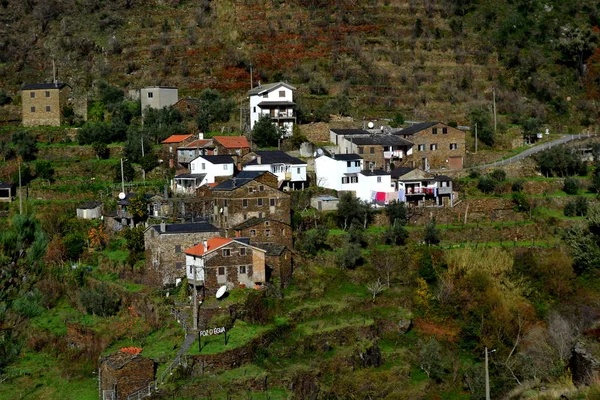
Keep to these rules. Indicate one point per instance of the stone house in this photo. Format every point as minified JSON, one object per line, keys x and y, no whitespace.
{"x":236,"y":146}
{"x":43,"y":103}
{"x":250,"y":194}
{"x":158,"y":97}
{"x":122,"y":374}
{"x":225,"y":261}
{"x":279,"y":263}
{"x":263,"y":231}
{"x":436,"y":145}
{"x":165,"y":245}
{"x":380,"y":151}
{"x":7,"y":192}
{"x":188,"y":106}
{"x":170,"y":146}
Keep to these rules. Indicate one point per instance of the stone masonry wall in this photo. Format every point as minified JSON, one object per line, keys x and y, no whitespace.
{"x":437,"y":158}
{"x":56,"y":100}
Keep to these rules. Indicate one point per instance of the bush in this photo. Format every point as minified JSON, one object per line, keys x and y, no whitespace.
{"x":264,"y":133}
{"x":521,"y":202}
{"x":571,"y":186}
{"x":576,"y":208}
{"x":312,"y":241}
{"x":499,"y":175}
{"x":350,"y":256}
{"x":100,"y":301}
{"x":517,"y":186}
{"x":487,"y":184}
{"x":432,"y":234}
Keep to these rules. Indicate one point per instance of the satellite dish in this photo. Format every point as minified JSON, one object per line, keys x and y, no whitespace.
{"x":221,"y":210}
{"x":221,"y":291}
{"x":370,"y":125}
{"x":122,"y":196}
{"x":320,"y":152}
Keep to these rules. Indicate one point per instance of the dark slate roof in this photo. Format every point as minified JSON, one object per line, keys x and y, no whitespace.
{"x":244,"y":240}
{"x":240,"y":180}
{"x":90,"y":205}
{"x":275,"y":157}
{"x":383,"y":140}
{"x":218,"y":159}
{"x":194,"y":227}
{"x":440,"y":178}
{"x":346,"y":157}
{"x":253,"y":222}
{"x":190,"y":176}
{"x":4,"y":185}
{"x":398,"y":172}
{"x":375,"y":172}
{"x":269,"y":86}
{"x":411,"y":130}
{"x":268,"y":104}
{"x":271,"y":248}
{"x":352,"y":131}
{"x":39,"y":86}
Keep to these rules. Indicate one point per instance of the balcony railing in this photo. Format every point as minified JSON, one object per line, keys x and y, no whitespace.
{"x":392,"y":154}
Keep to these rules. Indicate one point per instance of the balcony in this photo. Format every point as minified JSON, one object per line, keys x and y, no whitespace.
{"x":414,"y":190}
{"x":392,"y":154}
{"x":282,"y":114}
{"x":445,"y":190}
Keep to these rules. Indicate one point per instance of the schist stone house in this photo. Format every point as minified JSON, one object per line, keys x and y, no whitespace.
{"x":378,"y":150}
{"x":224,"y":261}
{"x":165,"y":245}
{"x":170,"y":146}
{"x":43,"y":103}
{"x":275,"y":100}
{"x":290,"y":171}
{"x":250,"y":194}
{"x":263,"y":231}
{"x":158,"y":97}
{"x":122,"y":374}
{"x":7,"y":192}
{"x":436,"y":145}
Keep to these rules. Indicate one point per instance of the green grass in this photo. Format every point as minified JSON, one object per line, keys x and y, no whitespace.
{"x":241,"y":334}
{"x":37,"y":376}
{"x":116,"y":255}
{"x":55,"y":320}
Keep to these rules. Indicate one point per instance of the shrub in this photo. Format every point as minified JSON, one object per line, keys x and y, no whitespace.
{"x":350,"y":256}
{"x":571,"y":186}
{"x":517,"y":186}
{"x":100,"y":301}
{"x":499,"y":175}
{"x":521,"y":202}
{"x":432,"y":234}
{"x":576,"y":208}
{"x":487,"y":184}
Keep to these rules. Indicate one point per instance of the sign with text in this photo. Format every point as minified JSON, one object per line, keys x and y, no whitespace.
{"x":214,"y":331}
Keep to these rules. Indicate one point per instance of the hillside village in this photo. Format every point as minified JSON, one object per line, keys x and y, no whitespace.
{"x":334,"y":227}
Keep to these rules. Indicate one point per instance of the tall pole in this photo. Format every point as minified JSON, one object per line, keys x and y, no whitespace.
{"x":475,"y":138}
{"x":122,"y":178}
{"x":143,"y":170}
{"x":195,"y":301}
{"x":251,"y":83}
{"x":494,"y":107}
{"x":487,"y":377}
{"x":20,"y":190}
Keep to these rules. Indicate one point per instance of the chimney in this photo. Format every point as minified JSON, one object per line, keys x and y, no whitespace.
{"x":259,"y":160}
{"x":205,"y":244}
{"x":200,"y":136}
{"x":163,"y":227}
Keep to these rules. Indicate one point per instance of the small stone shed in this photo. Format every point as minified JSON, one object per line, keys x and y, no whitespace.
{"x":123,"y":373}
{"x":325,"y":203}
{"x":90,"y":210}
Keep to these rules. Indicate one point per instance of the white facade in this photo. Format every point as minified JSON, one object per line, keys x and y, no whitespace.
{"x":275,"y":100}
{"x":158,"y":97}
{"x":194,"y":263}
{"x":202,"y":165}
{"x":338,"y":173}
{"x":283,"y":172}
{"x":373,"y":183}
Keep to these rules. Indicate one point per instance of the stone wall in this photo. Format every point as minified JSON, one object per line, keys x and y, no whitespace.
{"x":45,"y":108}
{"x":217,"y":262}
{"x":125,"y":376}
{"x":271,"y":231}
{"x":282,"y":267}
{"x":437,"y":158}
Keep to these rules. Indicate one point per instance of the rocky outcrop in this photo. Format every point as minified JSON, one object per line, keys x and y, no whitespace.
{"x":584,"y":366}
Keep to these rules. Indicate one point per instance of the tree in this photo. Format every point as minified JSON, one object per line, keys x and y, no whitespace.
{"x":499,"y":175}
{"x":138,"y":208}
{"x":576,"y":45}
{"x":264,"y":133}
{"x":297,"y":137}
{"x":481,"y":118}
{"x":531,"y":127}
{"x":349,"y":256}
{"x":396,"y":213}
{"x":571,"y":186}
{"x":487,"y":184}
{"x":109,"y":95}
{"x":100,"y":301}
{"x":375,"y":288}
{"x":4,"y":98}
{"x":128,"y":171}
{"x":312,"y":241}
{"x":101,"y":150}
{"x":431,"y":359}
{"x":432,"y":234}
{"x":212,"y":108}
{"x":351,"y":209}
{"x":25,"y":145}
{"x":44,"y":170}
{"x":560,"y":161}
{"x":149,"y":162}
{"x":134,"y":238}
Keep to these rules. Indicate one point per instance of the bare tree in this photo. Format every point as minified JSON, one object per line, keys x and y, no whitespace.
{"x":562,"y":334}
{"x":375,"y":288}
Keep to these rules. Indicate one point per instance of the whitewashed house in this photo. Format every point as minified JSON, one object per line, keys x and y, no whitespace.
{"x":212,"y":166}
{"x":158,"y":97}
{"x":338,"y":171}
{"x":275,"y":100}
{"x":290,"y":171}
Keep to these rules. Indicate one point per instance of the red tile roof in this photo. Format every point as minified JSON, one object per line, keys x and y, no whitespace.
{"x":232,"y":142}
{"x":176,"y":139}
{"x":213,"y":244}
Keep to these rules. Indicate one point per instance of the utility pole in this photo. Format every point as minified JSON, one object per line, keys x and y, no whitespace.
{"x":475,"y":138}
{"x":143,"y":170}
{"x":251,"y":83}
{"x":494,"y":107}
{"x":20,"y":190}
{"x":122,"y":178}
{"x":487,"y":377}
{"x":195,"y":327}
